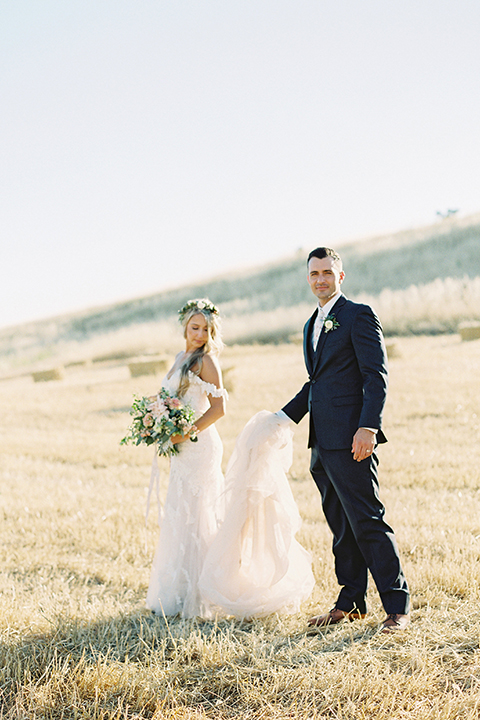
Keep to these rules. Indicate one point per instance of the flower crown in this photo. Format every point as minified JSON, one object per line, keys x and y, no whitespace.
{"x":200,"y":304}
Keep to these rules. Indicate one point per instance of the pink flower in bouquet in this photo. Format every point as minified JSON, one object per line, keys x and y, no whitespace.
{"x":158,"y":408}
{"x":148,"y":421}
{"x":174,"y":403}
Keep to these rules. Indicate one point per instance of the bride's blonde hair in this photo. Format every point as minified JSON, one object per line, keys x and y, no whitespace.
{"x":214,"y":344}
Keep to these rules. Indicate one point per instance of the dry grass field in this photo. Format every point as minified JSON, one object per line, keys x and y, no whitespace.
{"x":75,"y":555}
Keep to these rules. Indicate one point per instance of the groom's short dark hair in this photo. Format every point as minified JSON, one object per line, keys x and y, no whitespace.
{"x":323,"y":252}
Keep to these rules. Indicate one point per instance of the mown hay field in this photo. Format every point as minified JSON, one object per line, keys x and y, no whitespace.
{"x":75,"y":557}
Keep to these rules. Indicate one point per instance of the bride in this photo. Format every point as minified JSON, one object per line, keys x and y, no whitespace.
{"x":227,"y":545}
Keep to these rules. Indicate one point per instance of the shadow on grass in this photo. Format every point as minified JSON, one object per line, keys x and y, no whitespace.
{"x":137,"y":665}
{"x":137,"y":636}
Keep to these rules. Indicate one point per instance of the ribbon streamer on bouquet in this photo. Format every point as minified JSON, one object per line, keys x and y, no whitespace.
{"x":154,"y":482}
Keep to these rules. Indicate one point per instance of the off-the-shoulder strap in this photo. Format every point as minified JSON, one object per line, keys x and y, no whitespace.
{"x":209,"y":388}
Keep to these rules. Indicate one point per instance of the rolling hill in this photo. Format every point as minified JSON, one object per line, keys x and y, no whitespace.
{"x":403,"y":275}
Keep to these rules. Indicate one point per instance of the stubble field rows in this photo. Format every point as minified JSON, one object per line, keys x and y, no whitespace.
{"x":76,"y":639}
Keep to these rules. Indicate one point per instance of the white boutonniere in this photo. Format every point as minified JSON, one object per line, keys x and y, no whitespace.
{"x":330,"y":323}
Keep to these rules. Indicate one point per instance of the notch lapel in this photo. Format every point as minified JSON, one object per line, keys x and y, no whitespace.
{"x":323,"y":335}
{"x":307,"y":344}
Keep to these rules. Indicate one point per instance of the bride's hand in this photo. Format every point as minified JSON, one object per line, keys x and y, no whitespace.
{"x":176,"y":439}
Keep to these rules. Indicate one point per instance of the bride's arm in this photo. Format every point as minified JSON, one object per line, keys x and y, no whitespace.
{"x":212,"y":374}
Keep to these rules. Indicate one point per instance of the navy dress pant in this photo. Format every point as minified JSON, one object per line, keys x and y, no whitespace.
{"x":362,"y":540}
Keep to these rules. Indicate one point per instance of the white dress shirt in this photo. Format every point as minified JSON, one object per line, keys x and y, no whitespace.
{"x":323,"y":312}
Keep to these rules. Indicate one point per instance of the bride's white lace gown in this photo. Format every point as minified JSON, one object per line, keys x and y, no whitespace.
{"x":227,"y":545}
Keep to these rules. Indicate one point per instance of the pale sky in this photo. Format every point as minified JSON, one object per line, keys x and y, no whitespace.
{"x":147,"y":143}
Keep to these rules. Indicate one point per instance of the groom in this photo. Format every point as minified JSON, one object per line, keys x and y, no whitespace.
{"x":346,"y":362}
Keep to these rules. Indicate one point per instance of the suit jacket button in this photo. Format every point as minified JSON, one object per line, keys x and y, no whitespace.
{"x":312,"y":382}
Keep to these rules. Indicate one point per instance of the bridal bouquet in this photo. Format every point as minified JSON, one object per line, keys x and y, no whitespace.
{"x":156,"y":419}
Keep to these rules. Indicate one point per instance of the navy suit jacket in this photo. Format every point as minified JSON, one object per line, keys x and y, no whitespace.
{"x":348,"y":377}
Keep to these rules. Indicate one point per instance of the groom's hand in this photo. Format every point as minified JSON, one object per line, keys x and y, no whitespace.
{"x":363,"y":444}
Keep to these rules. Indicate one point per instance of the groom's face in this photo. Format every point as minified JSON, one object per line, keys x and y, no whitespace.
{"x":324,"y":277}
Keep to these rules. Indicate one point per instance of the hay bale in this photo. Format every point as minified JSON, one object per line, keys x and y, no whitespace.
{"x":147,"y":366}
{"x":392,"y":350}
{"x":57,"y":373}
{"x":76,"y":363}
{"x":117,"y":355}
{"x":469,"y":331}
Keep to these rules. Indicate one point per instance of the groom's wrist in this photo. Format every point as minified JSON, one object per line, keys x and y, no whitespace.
{"x":283,"y":417}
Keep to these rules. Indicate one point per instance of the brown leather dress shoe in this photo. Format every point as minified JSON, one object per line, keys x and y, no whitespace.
{"x":394,"y":622}
{"x":334,"y":616}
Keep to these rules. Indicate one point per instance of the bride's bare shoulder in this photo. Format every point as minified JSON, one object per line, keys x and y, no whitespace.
{"x":211,"y":371}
